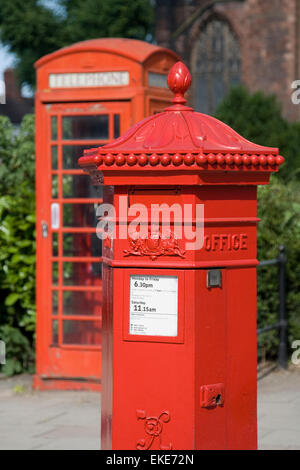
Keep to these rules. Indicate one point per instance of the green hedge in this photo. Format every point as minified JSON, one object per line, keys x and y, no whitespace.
{"x":17,"y":245}
{"x":278,"y":208}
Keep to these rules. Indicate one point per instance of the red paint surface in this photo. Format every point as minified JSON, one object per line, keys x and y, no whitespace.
{"x":153,"y":385}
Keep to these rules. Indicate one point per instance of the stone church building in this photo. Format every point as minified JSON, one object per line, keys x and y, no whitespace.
{"x":253,"y":42}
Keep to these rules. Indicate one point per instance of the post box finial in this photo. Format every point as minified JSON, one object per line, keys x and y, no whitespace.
{"x":179,"y":81}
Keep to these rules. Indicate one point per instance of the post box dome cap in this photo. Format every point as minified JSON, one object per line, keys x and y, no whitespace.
{"x":179,"y":136}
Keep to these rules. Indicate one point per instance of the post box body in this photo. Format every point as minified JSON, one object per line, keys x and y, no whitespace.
{"x":87,"y":95}
{"x":216,"y":342}
{"x":187,"y":381}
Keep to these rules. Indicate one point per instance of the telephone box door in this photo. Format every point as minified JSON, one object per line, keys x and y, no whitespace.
{"x":68,"y":251}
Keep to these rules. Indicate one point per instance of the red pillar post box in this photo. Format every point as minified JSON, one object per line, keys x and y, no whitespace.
{"x":179,"y":319}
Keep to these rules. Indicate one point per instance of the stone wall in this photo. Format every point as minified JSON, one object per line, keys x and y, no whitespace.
{"x":268,"y":32}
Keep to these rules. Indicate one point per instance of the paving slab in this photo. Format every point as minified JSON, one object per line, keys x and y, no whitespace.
{"x":64,"y":420}
{"x":70,"y":420}
{"x":279,"y":410}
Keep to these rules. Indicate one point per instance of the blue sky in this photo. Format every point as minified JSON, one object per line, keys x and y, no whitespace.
{"x":6,"y":59}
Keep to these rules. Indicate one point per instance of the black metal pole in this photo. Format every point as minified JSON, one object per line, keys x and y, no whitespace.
{"x":283,"y":344}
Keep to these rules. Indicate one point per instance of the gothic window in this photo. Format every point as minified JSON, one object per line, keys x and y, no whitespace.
{"x":216,"y":65}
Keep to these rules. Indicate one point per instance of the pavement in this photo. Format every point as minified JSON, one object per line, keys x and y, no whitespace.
{"x":279,"y":410}
{"x":71,"y":419}
{"x":52,"y":420}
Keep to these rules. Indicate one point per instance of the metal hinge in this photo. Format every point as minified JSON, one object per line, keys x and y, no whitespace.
{"x":212,"y":395}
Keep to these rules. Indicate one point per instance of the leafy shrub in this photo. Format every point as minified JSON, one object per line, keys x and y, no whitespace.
{"x":17,"y":244}
{"x":278,"y":208}
{"x":19,"y":351}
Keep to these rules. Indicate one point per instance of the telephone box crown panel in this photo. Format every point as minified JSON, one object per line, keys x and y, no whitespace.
{"x":112,"y":63}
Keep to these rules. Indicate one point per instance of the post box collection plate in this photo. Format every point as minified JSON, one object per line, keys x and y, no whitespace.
{"x":153,"y":305}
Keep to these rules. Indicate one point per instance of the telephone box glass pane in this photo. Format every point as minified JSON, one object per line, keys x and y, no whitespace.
{"x":55,"y":332}
{"x":54,"y":186}
{"x":81,"y":274}
{"x":54,"y":157}
{"x":55,"y":244}
{"x":54,"y":128}
{"x":54,"y":302}
{"x":81,"y":332}
{"x":81,"y":244}
{"x":79,"y":215}
{"x":85,"y":127}
{"x":82,"y":303}
{"x":55,"y":273}
{"x":157,"y":80}
{"x":79,"y":186}
{"x":116,"y":125}
{"x":71,"y":153}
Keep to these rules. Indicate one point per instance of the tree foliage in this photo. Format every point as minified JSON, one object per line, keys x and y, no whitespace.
{"x":31,"y":29}
{"x":103,"y":18}
{"x":257,"y":117}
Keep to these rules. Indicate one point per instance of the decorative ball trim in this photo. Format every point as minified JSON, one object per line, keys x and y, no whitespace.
{"x":120,"y":159}
{"x":142,"y":159}
{"x":189,"y":160}
{"x":279,"y":160}
{"x":109,"y":159}
{"x":165,"y":159}
{"x":154,"y":159}
{"x":211,"y":158}
{"x":177,"y":159}
{"x":246,"y":160}
{"x":237,"y":158}
{"x":229,"y":159}
{"x":131,"y":159}
{"x":220,"y":159}
{"x":98,"y":159}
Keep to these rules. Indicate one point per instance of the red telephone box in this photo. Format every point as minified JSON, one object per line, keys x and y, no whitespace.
{"x":87,"y":95}
{"x":179,"y":319}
